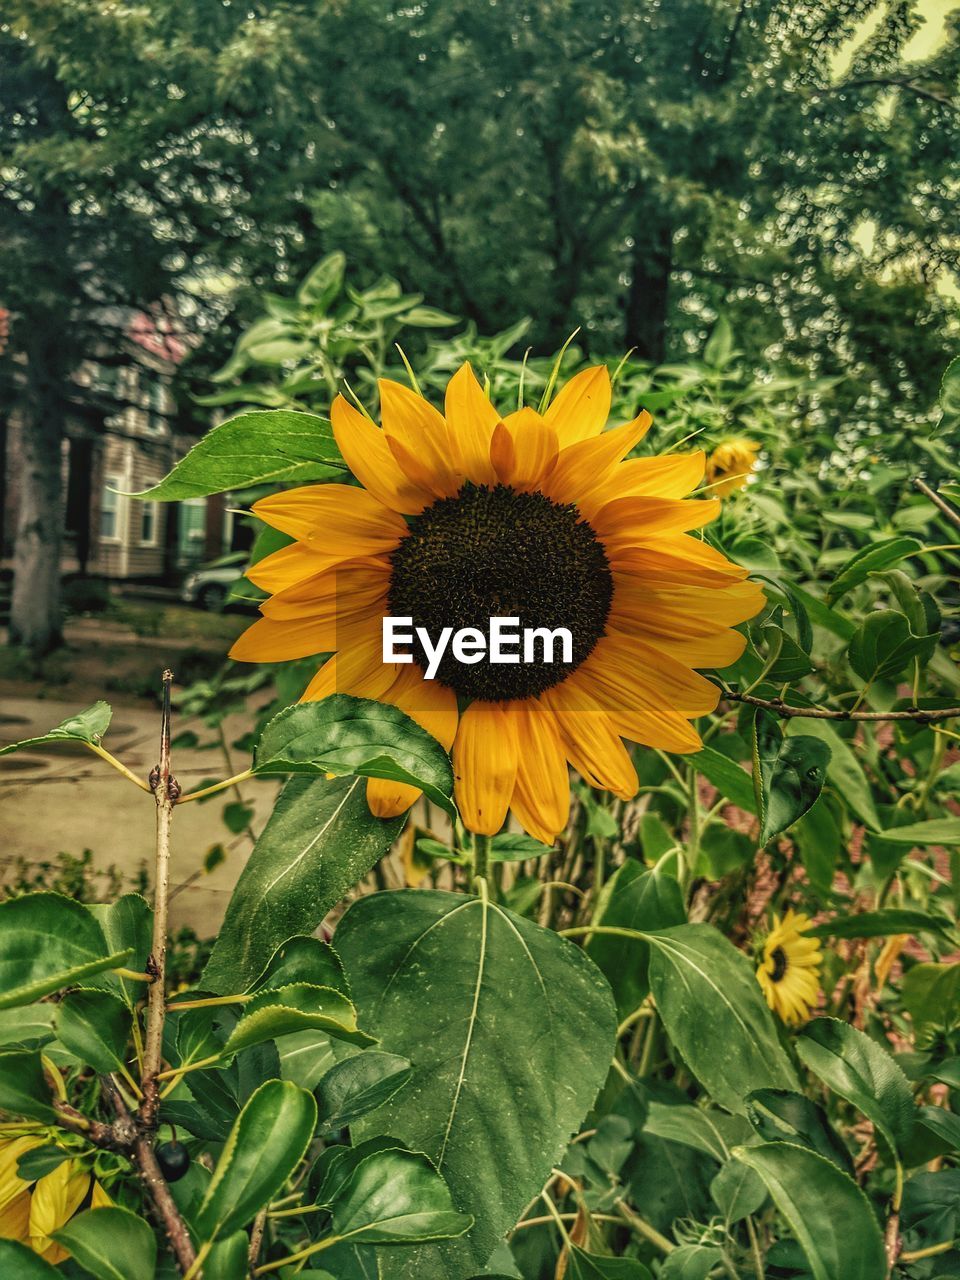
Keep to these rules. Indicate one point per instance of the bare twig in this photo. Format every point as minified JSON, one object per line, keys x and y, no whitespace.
{"x":256,"y":1238}
{"x":166,"y":790}
{"x":952,"y":515}
{"x":781,"y":708}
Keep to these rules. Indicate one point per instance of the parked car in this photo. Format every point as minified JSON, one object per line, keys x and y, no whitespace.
{"x":211,"y":586}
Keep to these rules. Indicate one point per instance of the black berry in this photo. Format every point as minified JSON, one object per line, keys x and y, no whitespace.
{"x":173,"y":1159}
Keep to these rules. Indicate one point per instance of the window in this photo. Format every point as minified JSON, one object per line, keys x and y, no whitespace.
{"x":191,"y":530}
{"x":148,"y":518}
{"x":111,"y":509}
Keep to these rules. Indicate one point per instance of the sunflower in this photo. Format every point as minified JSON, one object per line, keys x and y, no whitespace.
{"x":730,"y":465}
{"x":31,"y":1211}
{"x":467,"y":515}
{"x":789,"y":972}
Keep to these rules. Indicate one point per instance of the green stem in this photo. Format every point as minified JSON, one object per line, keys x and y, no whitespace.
{"x":755,"y":1248}
{"x":216,"y":786}
{"x":120,"y":767}
{"x":481,"y":855}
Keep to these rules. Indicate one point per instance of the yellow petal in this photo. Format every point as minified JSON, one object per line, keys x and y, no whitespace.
{"x":625,"y":522}
{"x":484,"y":766}
{"x":541,"y":797}
{"x":15,"y":1218}
{"x":523,"y":450}
{"x":56,"y":1198}
{"x":359,"y":670}
{"x":12,"y":1186}
{"x":678,"y":559}
{"x":367,"y":453}
{"x":670,"y":476}
{"x":583,"y":465}
{"x":418,"y":438}
{"x":333,"y":519}
{"x":269,"y":640}
{"x":337,"y":592}
{"x":581,"y":407}
{"x":471,"y":421}
{"x":591,"y":744}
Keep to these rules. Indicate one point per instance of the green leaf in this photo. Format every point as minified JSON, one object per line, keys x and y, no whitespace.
{"x":95,"y":1027}
{"x":432,"y":971}
{"x":297,"y":1007}
{"x":778,"y":1115}
{"x":786,"y":661}
{"x":594,"y":1266}
{"x":276,"y":446}
{"x":843,"y":772}
{"x":359,"y":1085}
{"x":111,"y":1243}
{"x":707,"y":1130}
{"x":944,"y":831}
{"x":345,"y":735}
{"x":707,"y":995}
{"x":39,"y":1161}
{"x":229,"y":1259}
{"x":19,"y":1261}
{"x":127,"y":925}
{"x":304,"y":959}
{"x":884,"y":645}
{"x":788,"y":774}
{"x":85,"y":726}
{"x":880,"y":555}
{"x":691,"y":1262}
{"x":882,"y":924}
{"x":820,"y":841}
{"x":514,"y":846}
{"x":950,"y":389}
{"x":727,"y":776}
{"x":737,"y":1191}
{"x":429,"y":318}
{"x":633,"y":898}
{"x":858,"y":1069}
{"x":931,"y":995}
{"x":265,"y":1145}
{"x":826,"y":1210}
{"x":30,"y":1025}
{"x":323,"y":282}
{"x":23,"y":1087}
{"x":320,"y":840}
{"x":396,"y":1197}
{"x":719,"y":346}
{"x":48,"y":941}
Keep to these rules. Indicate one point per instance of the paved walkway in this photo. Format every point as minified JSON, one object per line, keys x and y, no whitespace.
{"x":63,"y":799}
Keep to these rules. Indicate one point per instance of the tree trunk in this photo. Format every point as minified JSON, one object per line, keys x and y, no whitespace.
{"x":645,"y":319}
{"x":35,"y":605}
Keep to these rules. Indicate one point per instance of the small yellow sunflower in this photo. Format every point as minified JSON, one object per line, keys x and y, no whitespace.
{"x":730,"y":465}
{"x":470,"y":514}
{"x":789,"y":972}
{"x":31,"y":1213}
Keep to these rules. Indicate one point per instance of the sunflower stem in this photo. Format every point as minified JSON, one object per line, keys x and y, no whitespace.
{"x":481,"y":855}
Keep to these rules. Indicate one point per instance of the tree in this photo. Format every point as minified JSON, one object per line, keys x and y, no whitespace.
{"x":139,"y":147}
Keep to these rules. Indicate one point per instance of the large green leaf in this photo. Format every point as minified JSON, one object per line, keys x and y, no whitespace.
{"x":304,"y":959}
{"x":47,"y":942}
{"x":713,"y":1132}
{"x":320,"y":840}
{"x":16,"y":1260}
{"x":345,"y":735}
{"x":511,"y":1031}
{"x":297,"y":1007}
{"x":27,"y":1025}
{"x":359,"y":1085}
{"x":737,"y":1191}
{"x":278,"y":446}
{"x":95,"y":1027}
{"x":23,"y":1087}
{"x":111,"y":1243}
{"x":858,"y":1069}
{"x":883,"y":924}
{"x":788,"y":774}
{"x":395,"y":1197}
{"x":635,"y":898}
{"x":707,"y":995}
{"x":265,"y":1145}
{"x":827,"y":1212}
{"x":85,"y":726}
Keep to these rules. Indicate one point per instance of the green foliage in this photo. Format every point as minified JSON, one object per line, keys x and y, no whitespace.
{"x":112,"y":1244}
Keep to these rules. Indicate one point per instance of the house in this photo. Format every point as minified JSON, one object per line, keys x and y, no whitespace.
{"x":123,"y":435}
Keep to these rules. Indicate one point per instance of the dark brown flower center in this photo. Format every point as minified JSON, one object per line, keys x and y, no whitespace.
{"x":779,"y":958}
{"x":493,"y":552}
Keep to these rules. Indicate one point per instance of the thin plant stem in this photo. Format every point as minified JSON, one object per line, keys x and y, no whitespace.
{"x":120,"y":767}
{"x":165,"y":793}
{"x":216,"y":786}
{"x":481,"y":856}
{"x":644,"y":1229}
{"x":755,"y":1247}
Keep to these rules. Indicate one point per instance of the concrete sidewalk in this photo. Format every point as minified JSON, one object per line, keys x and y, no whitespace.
{"x":64,"y":799}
